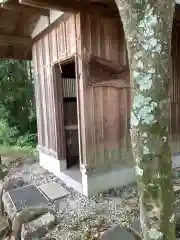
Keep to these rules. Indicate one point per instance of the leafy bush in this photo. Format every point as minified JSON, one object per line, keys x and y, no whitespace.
{"x":29,"y":139}
{"x":7,"y":134}
{"x":17,"y":106}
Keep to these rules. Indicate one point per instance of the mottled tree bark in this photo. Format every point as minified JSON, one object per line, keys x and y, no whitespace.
{"x":148,"y":25}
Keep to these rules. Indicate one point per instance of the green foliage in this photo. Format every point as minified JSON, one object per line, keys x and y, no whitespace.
{"x":3,"y":171}
{"x":29,"y":139}
{"x":7,"y":134}
{"x":17,"y":107}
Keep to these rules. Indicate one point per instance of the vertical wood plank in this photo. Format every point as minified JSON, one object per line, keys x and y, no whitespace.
{"x":80,"y":88}
{"x":37,"y":95}
{"x":41,"y":69}
{"x":46,"y":94}
{"x":175,"y":91}
{"x":105,"y":117}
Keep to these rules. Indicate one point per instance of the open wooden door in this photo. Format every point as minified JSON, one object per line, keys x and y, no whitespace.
{"x":70,"y":113}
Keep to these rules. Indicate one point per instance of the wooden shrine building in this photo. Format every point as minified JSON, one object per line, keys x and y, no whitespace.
{"x":82,"y":87}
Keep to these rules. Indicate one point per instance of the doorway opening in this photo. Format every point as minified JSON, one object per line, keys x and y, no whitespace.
{"x":70,"y":113}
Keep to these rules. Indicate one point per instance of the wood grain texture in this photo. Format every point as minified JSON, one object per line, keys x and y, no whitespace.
{"x":102,"y":110}
{"x":175,"y":91}
{"x":56,"y":44}
{"x":106,"y":115}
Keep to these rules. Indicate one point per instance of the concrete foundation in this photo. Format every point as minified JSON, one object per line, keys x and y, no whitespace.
{"x":93,"y":184}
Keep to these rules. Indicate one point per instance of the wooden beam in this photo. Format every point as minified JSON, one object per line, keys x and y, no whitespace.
{"x":15,"y":6}
{"x":113,"y":67}
{"x":70,"y":6}
{"x":116,"y":83}
{"x":10,"y":48}
{"x":15,"y":40}
{"x":17,"y":55}
{"x":101,"y":70}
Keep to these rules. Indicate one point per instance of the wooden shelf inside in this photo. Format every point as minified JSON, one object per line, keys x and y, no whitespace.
{"x":71,"y":127}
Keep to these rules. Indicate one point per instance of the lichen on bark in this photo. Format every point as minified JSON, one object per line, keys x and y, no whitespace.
{"x":148,"y":26}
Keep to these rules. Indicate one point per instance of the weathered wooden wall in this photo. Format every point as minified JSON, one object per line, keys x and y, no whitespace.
{"x":57,"y":43}
{"x":106,"y":120}
{"x":107,"y":108}
{"x":103,"y":112}
{"x":175,"y":91}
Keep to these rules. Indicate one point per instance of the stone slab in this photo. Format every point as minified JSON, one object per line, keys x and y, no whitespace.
{"x":27,"y":196}
{"x":117,"y":233}
{"x":37,"y":228}
{"x":136,"y":225}
{"x":53,"y":190}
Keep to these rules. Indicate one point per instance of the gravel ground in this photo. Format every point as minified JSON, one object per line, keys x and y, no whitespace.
{"x":82,"y":218}
{"x":79,"y":217}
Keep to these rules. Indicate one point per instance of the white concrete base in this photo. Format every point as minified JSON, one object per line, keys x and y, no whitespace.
{"x":53,"y":165}
{"x":98,"y":183}
{"x":86,"y":185}
{"x":91,"y":185}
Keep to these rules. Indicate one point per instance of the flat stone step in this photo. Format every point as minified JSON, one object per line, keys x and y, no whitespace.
{"x":27,"y":196}
{"x":53,"y":190}
{"x":117,"y":233}
{"x":136,"y":225}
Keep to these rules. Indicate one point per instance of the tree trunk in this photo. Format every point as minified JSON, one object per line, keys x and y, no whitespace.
{"x":148,"y":25}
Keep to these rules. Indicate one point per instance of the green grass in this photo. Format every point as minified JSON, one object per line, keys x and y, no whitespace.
{"x":13,"y":153}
